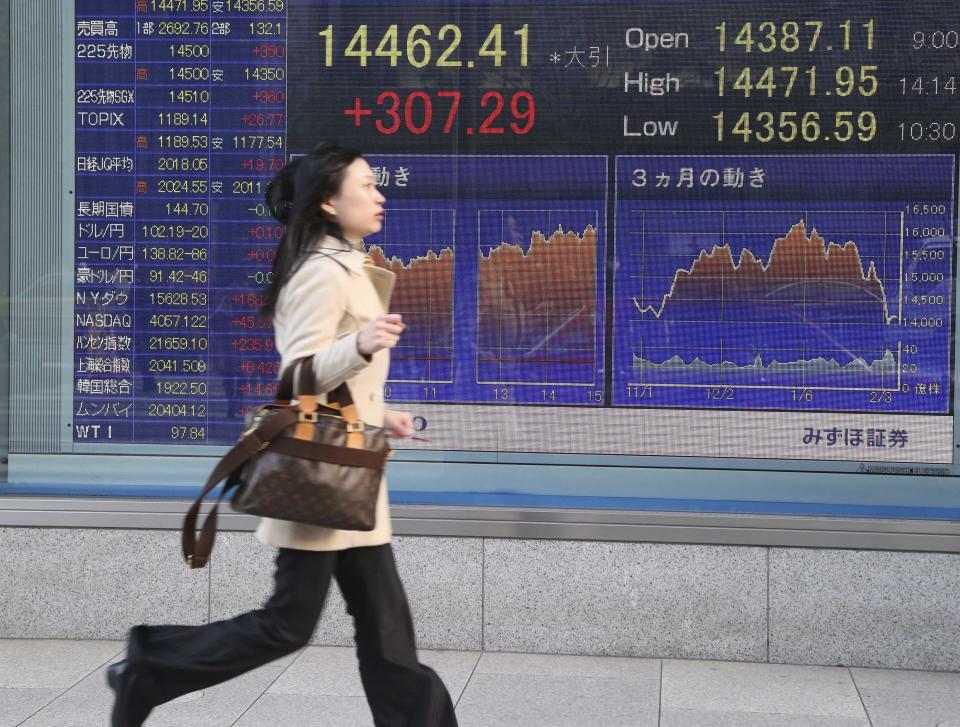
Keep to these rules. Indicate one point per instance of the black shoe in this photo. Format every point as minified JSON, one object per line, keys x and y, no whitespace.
{"x":115,"y":673}
{"x":123,"y":680}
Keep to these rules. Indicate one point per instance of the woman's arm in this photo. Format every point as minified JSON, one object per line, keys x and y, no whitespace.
{"x":314,"y":303}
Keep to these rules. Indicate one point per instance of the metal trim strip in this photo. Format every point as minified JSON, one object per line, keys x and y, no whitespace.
{"x":492,"y":522}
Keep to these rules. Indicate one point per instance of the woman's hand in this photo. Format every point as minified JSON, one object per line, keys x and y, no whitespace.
{"x":383,"y":332}
{"x":398,"y":423}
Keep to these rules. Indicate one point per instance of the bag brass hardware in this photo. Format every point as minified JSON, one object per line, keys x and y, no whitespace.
{"x":314,"y":417}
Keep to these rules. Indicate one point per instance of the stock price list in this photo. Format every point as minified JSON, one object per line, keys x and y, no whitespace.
{"x":180,"y":119}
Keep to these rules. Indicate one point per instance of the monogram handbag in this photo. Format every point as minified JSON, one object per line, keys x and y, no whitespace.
{"x":306,"y":462}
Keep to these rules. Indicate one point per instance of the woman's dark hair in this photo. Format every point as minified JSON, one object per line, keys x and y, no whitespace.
{"x":293,"y":197}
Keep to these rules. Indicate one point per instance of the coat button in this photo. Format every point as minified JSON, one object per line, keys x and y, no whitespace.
{"x":373,"y":397}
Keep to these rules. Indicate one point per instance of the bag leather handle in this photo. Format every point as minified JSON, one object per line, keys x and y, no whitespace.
{"x":307,"y":384}
{"x":285,"y":389}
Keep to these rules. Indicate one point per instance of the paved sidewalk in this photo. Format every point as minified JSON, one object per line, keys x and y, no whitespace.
{"x":61,"y":684}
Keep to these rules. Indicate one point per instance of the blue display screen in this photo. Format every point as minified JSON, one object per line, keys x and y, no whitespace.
{"x":678,"y":230}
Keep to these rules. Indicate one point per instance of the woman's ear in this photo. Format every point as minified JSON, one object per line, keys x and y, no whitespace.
{"x":328,"y":208}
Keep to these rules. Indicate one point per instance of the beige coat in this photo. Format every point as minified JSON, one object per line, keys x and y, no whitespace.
{"x":323,"y":306}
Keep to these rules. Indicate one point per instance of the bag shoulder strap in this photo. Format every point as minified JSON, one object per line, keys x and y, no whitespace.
{"x":197,"y":551}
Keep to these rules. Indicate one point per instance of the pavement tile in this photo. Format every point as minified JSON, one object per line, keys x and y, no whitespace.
{"x":88,"y":704}
{"x":694,"y":718}
{"x":912,"y":710}
{"x":18,"y":704}
{"x":61,"y":683}
{"x":610,"y":667}
{"x":908,"y":680}
{"x":766,"y":688}
{"x":333,"y":671}
{"x":898,"y":698}
{"x":218,"y":706}
{"x":528,"y":700}
{"x":51,"y":663}
{"x":300,"y":710}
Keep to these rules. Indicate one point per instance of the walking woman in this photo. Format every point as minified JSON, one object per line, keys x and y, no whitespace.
{"x":324,"y":301}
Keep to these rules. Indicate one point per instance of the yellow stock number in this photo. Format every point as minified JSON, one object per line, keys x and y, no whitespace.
{"x":787,"y":81}
{"x":796,"y":126}
{"x":792,"y":36}
{"x":419,"y":47}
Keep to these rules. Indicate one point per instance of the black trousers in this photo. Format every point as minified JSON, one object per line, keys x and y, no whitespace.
{"x":401,"y":692}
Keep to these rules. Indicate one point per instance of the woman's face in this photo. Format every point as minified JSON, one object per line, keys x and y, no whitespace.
{"x":358,"y":206}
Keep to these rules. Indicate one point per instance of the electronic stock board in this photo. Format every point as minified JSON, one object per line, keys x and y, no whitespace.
{"x":700,"y":231}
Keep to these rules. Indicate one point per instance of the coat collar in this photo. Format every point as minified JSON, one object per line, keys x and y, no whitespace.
{"x":343,"y":252}
{"x":356,"y":261}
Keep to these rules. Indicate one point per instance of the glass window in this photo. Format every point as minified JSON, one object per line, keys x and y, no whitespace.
{"x":690,"y":256}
